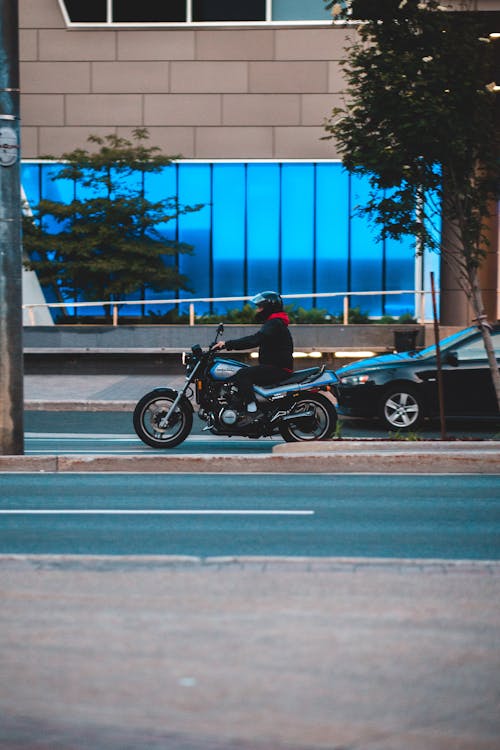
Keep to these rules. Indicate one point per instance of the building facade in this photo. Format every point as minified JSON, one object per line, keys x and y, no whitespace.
{"x":241,"y":91}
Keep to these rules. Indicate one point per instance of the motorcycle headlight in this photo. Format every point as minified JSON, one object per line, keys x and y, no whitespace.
{"x":189,"y":362}
{"x":354,"y":380}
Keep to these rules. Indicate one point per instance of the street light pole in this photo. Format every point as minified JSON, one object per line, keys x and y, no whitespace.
{"x":11,"y":322}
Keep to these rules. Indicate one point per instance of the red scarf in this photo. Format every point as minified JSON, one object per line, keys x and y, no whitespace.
{"x":281,"y":316}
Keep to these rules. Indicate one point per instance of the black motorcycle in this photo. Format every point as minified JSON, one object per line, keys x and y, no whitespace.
{"x":295,"y":408}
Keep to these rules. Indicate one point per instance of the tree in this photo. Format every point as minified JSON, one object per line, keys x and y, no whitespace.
{"x":106,"y":243}
{"x":421,"y":120}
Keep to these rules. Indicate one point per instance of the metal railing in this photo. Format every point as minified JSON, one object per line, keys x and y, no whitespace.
{"x":191,"y":302}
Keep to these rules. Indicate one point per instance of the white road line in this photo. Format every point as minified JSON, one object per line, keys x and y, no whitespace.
{"x":80,"y":436}
{"x":110,"y":437}
{"x":49,"y":437}
{"x":181,"y":512}
{"x":75,"y":452}
{"x":117,"y":452}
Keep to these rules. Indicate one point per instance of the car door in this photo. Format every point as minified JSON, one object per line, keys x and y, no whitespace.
{"x":467,"y":384}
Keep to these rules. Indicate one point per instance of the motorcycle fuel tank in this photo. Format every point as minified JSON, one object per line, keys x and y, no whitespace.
{"x":223,"y":369}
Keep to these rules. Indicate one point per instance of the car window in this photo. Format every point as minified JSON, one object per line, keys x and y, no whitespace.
{"x":475,"y":349}
{"x":450,"y":343}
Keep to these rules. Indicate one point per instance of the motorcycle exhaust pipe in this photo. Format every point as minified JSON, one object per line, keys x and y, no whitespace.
{"x":299,"y":415}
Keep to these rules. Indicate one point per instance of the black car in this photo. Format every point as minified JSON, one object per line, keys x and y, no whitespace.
{"x":401,"y":389}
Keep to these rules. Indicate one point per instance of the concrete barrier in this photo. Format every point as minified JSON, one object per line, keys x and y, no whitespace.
{"x":327,"y":337}
{"x":332,"y":457}
{"x":150,"y":349}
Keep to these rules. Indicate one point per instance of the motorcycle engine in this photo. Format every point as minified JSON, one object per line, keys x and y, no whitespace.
{"x":228,"y":416}
{"x":222,"y":405}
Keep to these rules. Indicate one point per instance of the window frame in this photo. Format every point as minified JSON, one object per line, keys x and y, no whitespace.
{"x":189,"y":23}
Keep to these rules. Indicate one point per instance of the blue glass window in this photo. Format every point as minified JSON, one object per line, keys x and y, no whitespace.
{"x":30,"y":178}
{"x":297,"y":227}
{"x":332,"y":234}
{"x":285,"y":226}
{"x":158,"y":187}
{"x":263,"y":226}
{"x":195,"y":187}
{"x":300,"y":10}
{"x":229,"y":209}
{"x":399,"y":274}
{"x":55,"y":190}
{"x":366,"y":253}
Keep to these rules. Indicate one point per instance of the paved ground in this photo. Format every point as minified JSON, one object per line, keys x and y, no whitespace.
{"x":248,"y":654}
{"x":101,"y":391}
{"x":245,"y":654}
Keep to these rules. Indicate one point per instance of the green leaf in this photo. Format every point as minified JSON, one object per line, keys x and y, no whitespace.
{"x":109,"y":244}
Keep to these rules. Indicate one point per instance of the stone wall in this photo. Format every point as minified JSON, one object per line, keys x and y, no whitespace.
{"x":209,"y":93}
{"x":322,"y":337}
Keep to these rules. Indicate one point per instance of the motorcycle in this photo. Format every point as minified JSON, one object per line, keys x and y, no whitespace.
{"x":295,"y":407}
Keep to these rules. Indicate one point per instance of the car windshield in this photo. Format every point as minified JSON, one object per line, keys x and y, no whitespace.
{"x":447,"y":343}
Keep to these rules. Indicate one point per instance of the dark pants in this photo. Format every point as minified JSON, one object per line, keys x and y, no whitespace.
{"x":258,"y":375}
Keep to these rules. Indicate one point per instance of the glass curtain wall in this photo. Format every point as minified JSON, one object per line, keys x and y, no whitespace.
{"x":195,"y":11}
{"x":289,"y":226}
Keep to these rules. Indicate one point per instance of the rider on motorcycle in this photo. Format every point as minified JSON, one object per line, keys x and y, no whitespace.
{"x":275,"y":345}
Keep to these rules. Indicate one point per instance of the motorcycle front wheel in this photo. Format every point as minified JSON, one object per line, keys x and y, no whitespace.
{"x":149,"y":419}
{"x":316,"y":419}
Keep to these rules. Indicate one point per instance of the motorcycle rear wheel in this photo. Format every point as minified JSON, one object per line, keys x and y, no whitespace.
{"x":149,"y":412}
{"x":320,"y":426}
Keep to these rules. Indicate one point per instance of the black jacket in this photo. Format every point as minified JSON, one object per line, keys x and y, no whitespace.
{"x":273,"y":340}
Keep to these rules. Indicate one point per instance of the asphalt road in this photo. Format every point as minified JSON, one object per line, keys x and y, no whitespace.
{"x":40,"y":444}
{"x":380,"y":516}
{"x":112,"y":432}
{"x":71,"y":433}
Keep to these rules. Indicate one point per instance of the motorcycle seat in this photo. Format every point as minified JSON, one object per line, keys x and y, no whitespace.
{"x":299,"y":376}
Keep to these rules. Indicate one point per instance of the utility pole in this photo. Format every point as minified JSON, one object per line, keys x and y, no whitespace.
{"x":11,"y":321}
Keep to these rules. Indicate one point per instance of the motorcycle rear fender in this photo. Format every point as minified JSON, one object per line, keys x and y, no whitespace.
{"x":171,"y":393}
{"x":324,"y":380}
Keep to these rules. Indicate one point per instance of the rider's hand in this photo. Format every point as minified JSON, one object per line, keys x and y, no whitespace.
{"x":219,"y":345}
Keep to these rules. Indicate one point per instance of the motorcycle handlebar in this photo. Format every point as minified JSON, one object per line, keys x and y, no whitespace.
{"x":220,"y":331}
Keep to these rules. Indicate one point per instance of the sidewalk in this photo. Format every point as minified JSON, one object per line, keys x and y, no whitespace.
{"x":249,"y":654}
{"x":90,"y":392}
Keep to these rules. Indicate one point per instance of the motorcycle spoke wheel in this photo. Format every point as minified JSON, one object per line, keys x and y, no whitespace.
{"x":151,"y":426}
{"x":319,"y":426}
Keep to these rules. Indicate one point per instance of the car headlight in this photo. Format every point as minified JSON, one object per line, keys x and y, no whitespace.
{"x":354,"y":380}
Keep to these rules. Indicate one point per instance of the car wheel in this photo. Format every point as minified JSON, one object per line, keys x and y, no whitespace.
{"x":401,"y":409}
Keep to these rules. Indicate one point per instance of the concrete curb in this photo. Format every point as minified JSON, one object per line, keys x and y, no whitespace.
{"x":385,"y":460}
{"x":376,"y":445}
{"x":79,"y":405}
{"x":264,"y":562}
